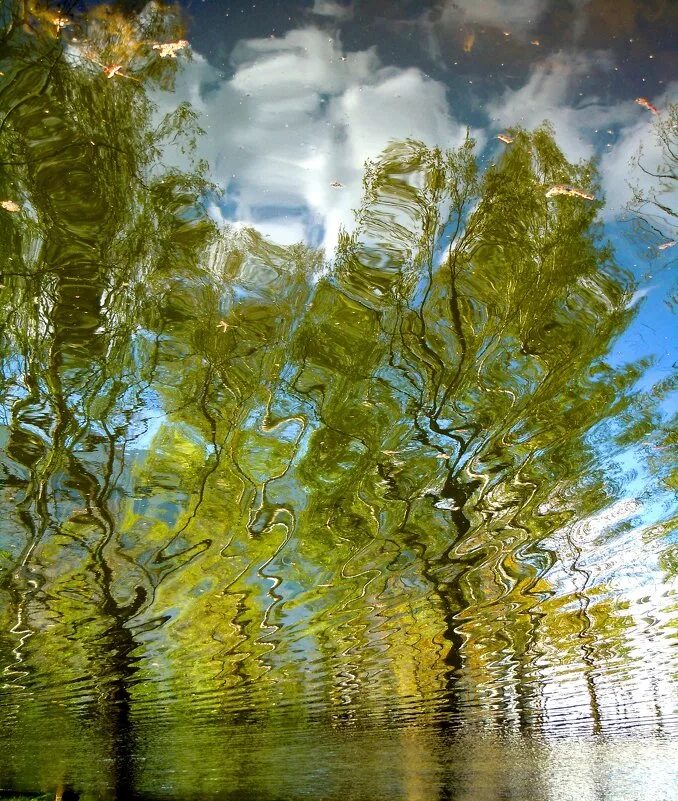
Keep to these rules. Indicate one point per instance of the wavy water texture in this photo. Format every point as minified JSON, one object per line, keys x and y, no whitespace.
{"x":247,"y":490}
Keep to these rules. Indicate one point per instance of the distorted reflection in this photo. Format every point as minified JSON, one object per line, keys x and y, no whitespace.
{"x":293,"y":485}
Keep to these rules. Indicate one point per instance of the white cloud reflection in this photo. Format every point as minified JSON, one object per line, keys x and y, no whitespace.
{"x":299,"y":114}
{"x":618,"y":174}
{"x":585,"y":125}
{"x":498,"y":13}
{"x":557,"y":89}
{"x":328,"y":8}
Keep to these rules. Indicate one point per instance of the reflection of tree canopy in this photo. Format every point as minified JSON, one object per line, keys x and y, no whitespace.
{"x":651,"y":206}
{"x":232,"y":473}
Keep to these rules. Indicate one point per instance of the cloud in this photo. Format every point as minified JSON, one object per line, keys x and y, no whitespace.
{"x":299,"y":114}
{"x":618,"y":173}
{"x":553,"y":92}
{"x":328,"y":8}
{"x":584,"y":125}
{"x":522,"y":14}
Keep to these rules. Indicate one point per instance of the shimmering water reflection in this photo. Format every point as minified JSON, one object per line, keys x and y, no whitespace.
{"x":337,"y":402}
{"x":416,"y":764}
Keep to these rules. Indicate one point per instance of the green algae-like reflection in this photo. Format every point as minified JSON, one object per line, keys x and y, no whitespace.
{"x":309,"y":508}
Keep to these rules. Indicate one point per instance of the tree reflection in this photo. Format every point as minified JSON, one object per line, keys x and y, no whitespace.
{"x":650,"y":207}
{"x":241,"y":484}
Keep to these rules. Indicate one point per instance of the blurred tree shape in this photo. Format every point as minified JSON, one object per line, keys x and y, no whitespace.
{"x":100,"y":222}
{"x":651,"y":206}
{"x":228,"y":462}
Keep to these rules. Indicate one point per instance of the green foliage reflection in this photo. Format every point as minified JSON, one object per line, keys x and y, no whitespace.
{"x":240,"y":485}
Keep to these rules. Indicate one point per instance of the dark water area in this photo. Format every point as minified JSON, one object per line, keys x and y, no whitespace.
{"x":338,"y":400}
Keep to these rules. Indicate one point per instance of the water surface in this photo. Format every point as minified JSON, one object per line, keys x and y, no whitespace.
{"x":337,"y":434}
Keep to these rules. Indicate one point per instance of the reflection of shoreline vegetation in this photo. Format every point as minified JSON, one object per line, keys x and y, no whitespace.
{"x":649,"y":208}
{"x":240,"y":489}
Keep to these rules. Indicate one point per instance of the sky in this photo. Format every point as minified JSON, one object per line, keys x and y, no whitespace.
{"x":294,"y":106}
{"x":296,"y":97}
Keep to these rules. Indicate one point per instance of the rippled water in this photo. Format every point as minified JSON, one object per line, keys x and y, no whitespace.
{"x":337,"y":435}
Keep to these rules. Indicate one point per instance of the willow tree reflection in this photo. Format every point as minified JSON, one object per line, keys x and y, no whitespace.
{"x":242,"y":486}
{"x":650,"y":208}
{"x":78,"y":151}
